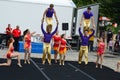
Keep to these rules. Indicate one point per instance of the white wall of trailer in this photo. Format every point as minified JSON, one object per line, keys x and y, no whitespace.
{"x":28,"y":15}
{"x":95,"y":10}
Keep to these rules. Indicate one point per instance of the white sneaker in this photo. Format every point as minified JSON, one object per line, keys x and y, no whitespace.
{"x":59,"y":63}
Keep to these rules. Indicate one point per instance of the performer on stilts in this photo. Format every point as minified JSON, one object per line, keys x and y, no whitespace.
{"x":100,"y":52}
{"x":47,"y":42}
{"x":27,"y":45}
{"x":48,"y":15}
{"x":84,"y":45}
{"x":87,"y":17}
{"x":56,"y":42}
{"x":11,"y":54}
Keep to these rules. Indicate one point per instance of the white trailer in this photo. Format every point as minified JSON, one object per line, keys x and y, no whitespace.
{"x":28,"y":14}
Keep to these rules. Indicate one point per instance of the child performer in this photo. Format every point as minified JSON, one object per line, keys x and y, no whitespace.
{"x":62,"y":49}
{"x":100,"y":52}
{"x":84,"y":45}
{"x":49,"y":14}
{"x":56,"y":41}
{"x":27,"y":45}
{"x":10,"y":54}
{"x":47,"y":39}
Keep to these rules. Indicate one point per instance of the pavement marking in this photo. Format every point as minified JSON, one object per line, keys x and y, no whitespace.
{"x":40,"y":69}
{"x":77,"y":69}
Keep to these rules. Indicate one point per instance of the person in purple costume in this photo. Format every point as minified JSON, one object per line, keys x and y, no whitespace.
{"x":84,"y":45}
{"x":49,"y":14}
{"x":47,"y":42}
{"x":87,"y":17}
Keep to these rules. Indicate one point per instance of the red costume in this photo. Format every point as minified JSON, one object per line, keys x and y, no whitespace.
{"x":8,"y":30}
{"x":56,"y":42}
{"x":101,"y":48}
{"x":27,"y":44}
{"x":10,"y":52}
{"x":62,"y":49}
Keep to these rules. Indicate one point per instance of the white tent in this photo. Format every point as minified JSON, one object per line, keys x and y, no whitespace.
{"x":28,"y":14}
{"x":67,"y":3}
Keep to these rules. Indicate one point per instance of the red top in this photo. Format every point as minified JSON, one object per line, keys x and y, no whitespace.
{"x":63,"y":43}
{"x":101,"y":48}
{"x":16,"y":33}
{"x":27,"y":41}
{"x":10,"y":52}
{"x":56,"y":40}
{"x":12,"y":49}
{"x":8,"y":30}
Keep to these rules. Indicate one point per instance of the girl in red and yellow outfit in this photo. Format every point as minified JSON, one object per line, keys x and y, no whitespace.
{"x":10,"y":54}
{"x":56,"y":40}
{"x":27,"y":44}
{"x":100,"y":52}
{"x":62,"y":49}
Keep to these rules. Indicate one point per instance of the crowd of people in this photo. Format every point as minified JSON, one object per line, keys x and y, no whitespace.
{"x":59,"y":43}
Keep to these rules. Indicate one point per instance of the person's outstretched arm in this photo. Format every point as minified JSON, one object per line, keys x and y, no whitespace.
{"x":43,"y":31}
{"x":44,"y":15}
{"x":92,"y":19}
{"x":80,"y":33}
{"x":33,"y":33}
{"x":81,"y":19}
{"x":56,"y":16}
{"x":55,"y":30}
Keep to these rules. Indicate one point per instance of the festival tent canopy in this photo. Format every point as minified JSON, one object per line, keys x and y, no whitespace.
{"x":104,"y":19}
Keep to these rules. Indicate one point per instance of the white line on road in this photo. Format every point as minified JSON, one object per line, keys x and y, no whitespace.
{"x":40,"y":69}
{"x":77,"y":69}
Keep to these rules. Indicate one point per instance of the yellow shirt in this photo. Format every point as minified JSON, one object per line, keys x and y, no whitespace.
{"x":91,"y":38}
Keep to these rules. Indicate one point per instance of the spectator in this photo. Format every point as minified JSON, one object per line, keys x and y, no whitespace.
{"x":16,"y":35}
{"x":110,"y":44}
{"x":8,"y":33}
{"x":91,"y":41}
{"x":118,"y":40}
{"x":109,"y":35}
{"x":116,"y":46}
